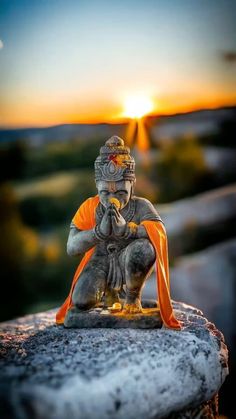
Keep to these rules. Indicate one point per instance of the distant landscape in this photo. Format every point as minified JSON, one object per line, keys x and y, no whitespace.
{"x":199,"y":123}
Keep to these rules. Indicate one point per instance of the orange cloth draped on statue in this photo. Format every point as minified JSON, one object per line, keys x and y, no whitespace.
{"x":84,"y":219}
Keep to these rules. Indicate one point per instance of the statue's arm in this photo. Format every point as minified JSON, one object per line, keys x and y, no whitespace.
{"x":80,"y":241}
{"x":141,"y":232}
{"x":147,"y":212}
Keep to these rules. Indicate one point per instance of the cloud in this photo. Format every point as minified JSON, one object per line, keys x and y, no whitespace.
{"x":229,"y":56}
{"x":1,"y":44}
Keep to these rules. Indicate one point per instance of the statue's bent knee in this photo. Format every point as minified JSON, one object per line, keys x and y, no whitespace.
{"x":81,"y":302}
{"x":81,"y":298}
{"x":141,"y":255}
{"x":83,"y":305}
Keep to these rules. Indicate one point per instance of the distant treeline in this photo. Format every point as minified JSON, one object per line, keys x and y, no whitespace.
{"x":18,"y":160}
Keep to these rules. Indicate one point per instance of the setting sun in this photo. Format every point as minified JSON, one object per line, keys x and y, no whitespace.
{"x":137,"y":106}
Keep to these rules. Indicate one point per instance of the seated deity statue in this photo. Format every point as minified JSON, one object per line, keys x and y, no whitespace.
{"x":121,"y":237}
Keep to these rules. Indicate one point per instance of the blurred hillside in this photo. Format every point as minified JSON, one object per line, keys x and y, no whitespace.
{"x":189,"y":172}
{"x":199,"y":123}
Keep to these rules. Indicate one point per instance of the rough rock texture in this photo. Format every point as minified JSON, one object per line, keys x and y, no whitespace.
{"x":49,"y":372}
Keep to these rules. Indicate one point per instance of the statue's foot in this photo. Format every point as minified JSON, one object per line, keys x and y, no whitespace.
{"x":111,"y":298}
{"x":132,"y":308}
{"x":115,"y":308}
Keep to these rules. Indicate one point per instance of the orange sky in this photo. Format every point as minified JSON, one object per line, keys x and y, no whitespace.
{"x":45,"y":114}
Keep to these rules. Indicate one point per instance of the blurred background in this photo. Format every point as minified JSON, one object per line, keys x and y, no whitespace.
{"x":161,"y":75}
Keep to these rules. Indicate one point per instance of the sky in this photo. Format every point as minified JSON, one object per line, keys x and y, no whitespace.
{"x":65,"y":61}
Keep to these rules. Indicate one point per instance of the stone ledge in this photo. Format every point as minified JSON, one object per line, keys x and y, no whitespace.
{"x":99,"y":317}
{"x":49,"y":372}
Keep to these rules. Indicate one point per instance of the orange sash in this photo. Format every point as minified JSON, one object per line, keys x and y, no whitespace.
{"x":84,"y":219}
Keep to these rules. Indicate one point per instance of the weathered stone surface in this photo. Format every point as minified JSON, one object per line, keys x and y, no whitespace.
{"x":50,"y":372}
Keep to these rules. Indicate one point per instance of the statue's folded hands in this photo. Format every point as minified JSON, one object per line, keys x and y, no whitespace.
{"x":118,"y":223}
{"x":105,"y":226}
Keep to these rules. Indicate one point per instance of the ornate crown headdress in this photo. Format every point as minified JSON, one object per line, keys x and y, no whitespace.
{"x":114,"y":162}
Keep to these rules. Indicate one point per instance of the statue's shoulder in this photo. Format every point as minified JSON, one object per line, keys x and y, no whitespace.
{"x":92,"y":201}
{"x":145,"y":209}
{"x":84,"y":217}
{"x":143,"y":202}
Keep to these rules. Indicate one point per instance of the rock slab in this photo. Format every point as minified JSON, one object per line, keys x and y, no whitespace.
{"x":50,"y":372}
{"x":103,"y":318}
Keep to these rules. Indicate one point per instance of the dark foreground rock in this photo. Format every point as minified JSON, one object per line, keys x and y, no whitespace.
{"x":49,"y":372}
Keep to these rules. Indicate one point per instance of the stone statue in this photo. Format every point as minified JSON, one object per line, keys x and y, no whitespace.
{"x":122,"y":236}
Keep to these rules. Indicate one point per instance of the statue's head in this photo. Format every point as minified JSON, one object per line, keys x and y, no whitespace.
{"x":115,"y":172}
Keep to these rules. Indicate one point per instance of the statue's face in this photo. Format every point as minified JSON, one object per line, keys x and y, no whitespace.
{"x":120,"y":190}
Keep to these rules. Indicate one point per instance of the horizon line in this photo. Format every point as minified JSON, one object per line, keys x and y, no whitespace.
{"x":118,"y":121}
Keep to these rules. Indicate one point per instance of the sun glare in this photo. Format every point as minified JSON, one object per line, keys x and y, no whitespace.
{"x":137,"y":106}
